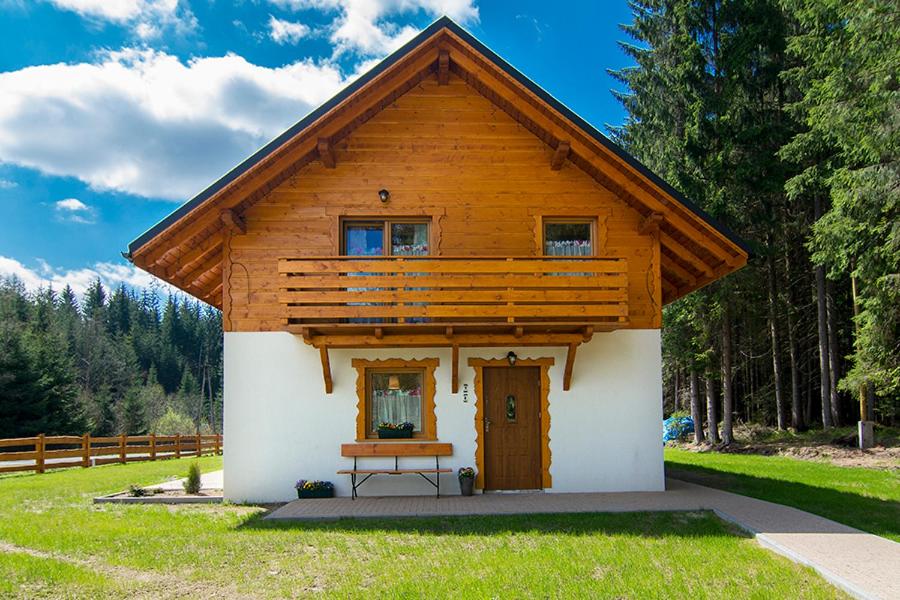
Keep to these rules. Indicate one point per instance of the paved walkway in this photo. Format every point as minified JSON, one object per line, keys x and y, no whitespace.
{"x":864,"y":565}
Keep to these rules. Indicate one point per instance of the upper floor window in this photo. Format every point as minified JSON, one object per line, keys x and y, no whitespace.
{"x":389,"y":237}
{"x":569,"y":237}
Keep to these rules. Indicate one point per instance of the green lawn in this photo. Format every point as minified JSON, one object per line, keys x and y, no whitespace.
{"x":55,"y":543}
{"x":868,"y":499}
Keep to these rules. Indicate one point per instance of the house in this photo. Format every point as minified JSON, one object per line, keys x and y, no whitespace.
{"x":442,"y":243}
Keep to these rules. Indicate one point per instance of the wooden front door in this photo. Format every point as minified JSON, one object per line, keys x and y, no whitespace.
{"x":512,"y":428}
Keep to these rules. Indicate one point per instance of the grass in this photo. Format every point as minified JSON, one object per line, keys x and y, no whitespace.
{"x":55,"y":543}
{"x":868,"y":499}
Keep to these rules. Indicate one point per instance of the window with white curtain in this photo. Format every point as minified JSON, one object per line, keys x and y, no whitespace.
{"x":395,"y":396}
{"x":569,"y":237}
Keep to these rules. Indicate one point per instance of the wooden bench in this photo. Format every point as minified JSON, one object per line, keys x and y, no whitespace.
{"x":395,"y":449}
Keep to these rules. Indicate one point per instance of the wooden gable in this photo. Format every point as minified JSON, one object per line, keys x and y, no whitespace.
{"x":456,"y":134}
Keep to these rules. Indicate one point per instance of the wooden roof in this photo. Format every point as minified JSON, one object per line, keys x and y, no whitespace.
{"x":185,"y":248}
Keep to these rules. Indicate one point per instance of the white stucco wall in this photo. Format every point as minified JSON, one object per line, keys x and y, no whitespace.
{"x":280,"y":425}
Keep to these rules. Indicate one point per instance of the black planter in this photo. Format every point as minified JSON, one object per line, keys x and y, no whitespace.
{"x":394,"y":434}
{"x":466,"y":485}
{"x":327,"y":493}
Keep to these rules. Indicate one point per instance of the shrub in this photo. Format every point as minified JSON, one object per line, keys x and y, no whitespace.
{"x":136,"y":491}
{"x":192,"y":483}
{"x":174,"y":422}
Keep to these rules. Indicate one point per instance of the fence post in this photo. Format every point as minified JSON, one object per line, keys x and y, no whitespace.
{"x":177,"y":445}
{"x":218,"y":443}
{"x":86,"y":450}
{"x":122,"y":448}
{"x":199,"y":445}
{"x":152,"y":446}
{"x":39,"y":448}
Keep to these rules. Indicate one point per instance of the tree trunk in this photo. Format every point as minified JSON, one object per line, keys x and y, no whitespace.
{"x":834,"y":355}
{"x":776,"y":344}
{"x":824,"y":375}
{"x":727,"y":383}
{"x":796,"y":408}
{"x":711,"y":413}
{"x":675,"y":399}
{"x":696,"y":416}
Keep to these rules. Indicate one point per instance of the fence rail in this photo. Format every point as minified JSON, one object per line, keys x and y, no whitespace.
{"x":44,"y":452}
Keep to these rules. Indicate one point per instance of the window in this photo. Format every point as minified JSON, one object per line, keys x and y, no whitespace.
{"x":569,"y":237}
{"x":396,"y":391}
{"x":394,"y":396}
{"x":392,"y":237}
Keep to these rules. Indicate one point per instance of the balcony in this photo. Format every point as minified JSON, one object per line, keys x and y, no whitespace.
{"x":433,"y":300}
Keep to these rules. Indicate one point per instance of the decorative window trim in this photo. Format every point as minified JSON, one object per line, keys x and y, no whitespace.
{"x":429,"y":420}
{"x":479,"y":364}
{"x":598,"y":219}
{"x":434,"y":217}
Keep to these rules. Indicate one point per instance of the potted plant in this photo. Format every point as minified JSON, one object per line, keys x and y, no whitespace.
{"x":395,"y":430}
{"x":314,"y":489}
{"x":466,"y":480}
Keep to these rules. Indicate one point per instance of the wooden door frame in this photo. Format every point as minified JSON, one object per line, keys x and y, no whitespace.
{"x":479,"y":364}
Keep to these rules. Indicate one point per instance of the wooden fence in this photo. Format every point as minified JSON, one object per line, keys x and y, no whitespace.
{"x":42,"y":452}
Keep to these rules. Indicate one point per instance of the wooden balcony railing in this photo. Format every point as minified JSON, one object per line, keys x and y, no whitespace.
{"x":430,"y":290}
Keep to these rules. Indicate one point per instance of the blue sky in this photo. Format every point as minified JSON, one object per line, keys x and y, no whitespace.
{"x":112,"y":112}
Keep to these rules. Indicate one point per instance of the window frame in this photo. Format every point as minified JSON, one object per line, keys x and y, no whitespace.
{"x":365,"y":368}
{"x":385,"y":223}
{"x":550,"y":220}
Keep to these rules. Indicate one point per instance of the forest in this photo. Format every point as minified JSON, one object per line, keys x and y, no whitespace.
{"x":107,"y":363}
{"x":780,"y":119}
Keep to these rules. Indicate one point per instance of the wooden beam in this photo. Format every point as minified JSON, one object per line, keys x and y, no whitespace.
{"x":679,"y":250}
{"x":650,"y":223}
{"x":326,"y":369}
{"x":455,"y":375}
{"x":519,"y":331}
{"x":588,"y":333}
{"x":443,"y":67}
{"x":326,"y":153}
{"x":560,"y":155}
{"x":448,"y":332}
{"x":379,"y":333}
{"x":233,"y":221}
{"x":570,"y":365}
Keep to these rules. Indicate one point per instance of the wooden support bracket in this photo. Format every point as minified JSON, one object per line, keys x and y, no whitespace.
{"x":326,"y":153}
{"x":234,"y":222}
{"x":455,"y":360}
{"x":443,"y":67}
{"x":326,"y":369}
{"x":570,"y":365}
{"x":560,"y":155}
{"x":650,"y":223}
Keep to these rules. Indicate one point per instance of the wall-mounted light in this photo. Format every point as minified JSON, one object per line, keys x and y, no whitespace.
{"x":511,"y":357}
{"x":384,"y":195}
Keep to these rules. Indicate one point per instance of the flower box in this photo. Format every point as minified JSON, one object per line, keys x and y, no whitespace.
{"x":322,"y":493}
{"x":314,"y":489}
{"x":393,"y":434}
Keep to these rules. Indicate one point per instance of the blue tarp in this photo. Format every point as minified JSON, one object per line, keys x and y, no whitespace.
{"x":675,"y":428}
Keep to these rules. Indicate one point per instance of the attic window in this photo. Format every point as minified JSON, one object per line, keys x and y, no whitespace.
{"x":569,"y":237}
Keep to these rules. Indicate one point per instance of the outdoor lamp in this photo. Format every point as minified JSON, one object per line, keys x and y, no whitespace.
{"x":384,"y":195}
{"x":511,"y":357}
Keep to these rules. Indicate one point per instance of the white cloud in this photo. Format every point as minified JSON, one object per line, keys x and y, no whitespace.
{"x":76,"y":211}
{"x":147,"y":17}
{"x":72,"y":204}
{"x":364,"y":27}
{"x":6,"y":184}
{"x":110,"y":274}
{"x":286,"y":32}
{"x":143,"y":122}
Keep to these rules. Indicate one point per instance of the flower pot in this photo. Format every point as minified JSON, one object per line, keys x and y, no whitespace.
{"x":466,"y":485}
{"x":326,"y":493}
{"x":394,"y":434}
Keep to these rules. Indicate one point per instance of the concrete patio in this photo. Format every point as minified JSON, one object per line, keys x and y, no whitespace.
{"x":862,"y":564}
